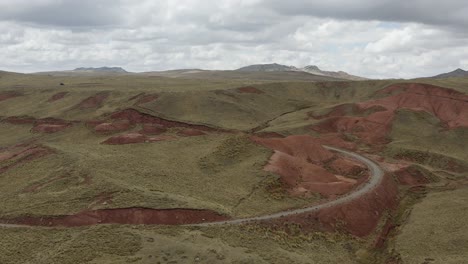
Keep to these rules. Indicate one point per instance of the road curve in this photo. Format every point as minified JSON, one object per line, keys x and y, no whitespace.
{"x":376,"y":176}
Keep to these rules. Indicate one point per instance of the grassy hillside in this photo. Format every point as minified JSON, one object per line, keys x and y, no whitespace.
{"x":206,"y":160}
{"x":436,"y":231}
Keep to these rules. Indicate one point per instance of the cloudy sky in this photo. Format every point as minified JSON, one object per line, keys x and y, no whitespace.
{"x":372,"y":38}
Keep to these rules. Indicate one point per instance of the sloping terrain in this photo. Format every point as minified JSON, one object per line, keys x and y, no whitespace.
{"x":154,"y":150}
{"x":436,"y":231}
{"x":312,"y":69}
{"x":456,"y":73}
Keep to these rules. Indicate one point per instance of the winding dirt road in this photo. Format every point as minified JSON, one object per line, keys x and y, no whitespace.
{"x":376,"y":176}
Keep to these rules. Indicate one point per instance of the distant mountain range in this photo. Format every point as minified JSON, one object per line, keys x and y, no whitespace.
{"x":312,"y":69}
{"x":456,"y":73}
{"x":273,"y":72}
{"x":101,"y":69}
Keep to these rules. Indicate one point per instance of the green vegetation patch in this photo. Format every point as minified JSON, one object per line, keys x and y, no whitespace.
{"x":436,"y":231}
{"x":76,"y":245}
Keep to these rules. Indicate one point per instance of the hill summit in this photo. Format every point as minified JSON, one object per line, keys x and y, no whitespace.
{"x":267,"y":67}
{"x":456,"y":73}
{"x":312,"y":69}
{"x":101,"y":69}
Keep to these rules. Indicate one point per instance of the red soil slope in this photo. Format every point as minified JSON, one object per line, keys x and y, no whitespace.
{"x":8,"y":95}
{"x":42,"y":125}
{"x":94,"y":101}
{"x":19,"y":154}
{"x":147,"y":98}
{"x":450,"y":106}
{"x":152,"y":129}
{"x":117,"y":126}
{"x":132,"y":216}
{"x":135,"y":117}
{"x":299,"y":160}
{"x":411,"y":176}
{"x":151,"y":125}
{"x":57,"y":97}
{"x":359,"y":217}
{"x":189,"y":132}
{"x":134,"y":138}
{"x":249,"y":89}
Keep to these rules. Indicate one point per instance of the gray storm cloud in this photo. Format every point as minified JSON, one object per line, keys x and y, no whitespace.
{"x":365,"y":37}
{"x":432,"y":12}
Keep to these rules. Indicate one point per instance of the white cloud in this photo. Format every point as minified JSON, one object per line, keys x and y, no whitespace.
{"x":157,"y":35}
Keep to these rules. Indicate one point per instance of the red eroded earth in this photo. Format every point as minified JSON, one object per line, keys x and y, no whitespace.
{"x":411,"y":176}
{"x":42,"y":125}
{"x":57,"y":96}
{"x":249,"y":89}
{"x":300,"y":161}
{"x":112,"y":127}
{"x":375,"y":122}
{"x":358,"y":217}
{"x":21,"y":153}
{"x":8,"y":95}
{"x":147,"y":98}
{"x":152,"y":129}
{"x":134,"y":138}
{"x":135,"y":117}
{"x":94,"y":101}
{"x":132,"y":216}
{"x":151,"y":125}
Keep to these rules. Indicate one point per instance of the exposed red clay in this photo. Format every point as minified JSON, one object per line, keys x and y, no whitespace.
{"x":43,"y":125}
{"x":57,"y":97}
{"x":301,"y":146}
{"x":249,"y":89}
{"x":19,"y":120}
{"x":136,"y":117}
{"x":451,"y":107}
{"x":299,"y":160}
{"x":130,"y":216}
{"x":147,"y":98}
{"x":268,"y":135}
{"x":19,"y":154}
{"x":49,"y":128}
{"x":9,"y":94}
{"x":384,"y":233}
{"x":336,"y":140}
{"x":372,"y":129}
{"x":359,"y":217}
{"x":94,"y":101}
{"x":411,"y":176}
{"x":160,"y":138}
{"x":130,"y":138}
{"x":113,"y":127}
{"x":135,"y":138}
{"x":189,"y":132}
{"x":152,"y":129}
{"x":38,"y":186}
{"x":347,"y":167}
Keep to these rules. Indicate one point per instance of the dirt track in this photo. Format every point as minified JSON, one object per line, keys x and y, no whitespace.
{"x":376,"y":176}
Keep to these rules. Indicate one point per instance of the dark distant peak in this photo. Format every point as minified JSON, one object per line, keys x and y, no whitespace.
{"x":456,"y":73}
{"x":102,"y":69}
{"x":267,"y":67}
{"x":312,"y":68}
